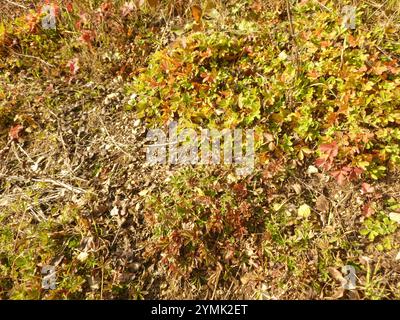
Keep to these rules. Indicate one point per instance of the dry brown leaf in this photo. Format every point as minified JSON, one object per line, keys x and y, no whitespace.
{"x":153,"y":3}
{"x":297,"y":188}
{"x":353,"y":295}
{"x":339,"y":292}
{"x":337,"y":275}
{"x":250,"y":277}
{"x":322,"y":204}
{"x":197,"y":13}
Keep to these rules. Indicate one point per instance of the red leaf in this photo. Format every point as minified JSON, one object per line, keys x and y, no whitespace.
{"x":73,"y":66}
{"x":355,"y":173}
{"x":69,"y":7}
{"x":367,"y":210}
{"x":367,"y":188}
{"x":15,"y":132}
{"x":83,"y":20}
{"x":87,"y":36}
{"x":240,"y":190}
{"x":330,"y":149}
{"x":340,"y":176}
{"x":347,"y":169}
{"x":324,"y":163}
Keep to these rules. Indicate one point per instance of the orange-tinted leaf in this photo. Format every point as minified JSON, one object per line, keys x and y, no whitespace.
{"x":87,"y":36}
{"x":197,"y":13}
{"x":69,"y":7}
{"x":330,"y":149}
{"x":325,"y":44}
{"x":352,"y":41}
{"x":256,"y":6}
{"x":379,"y":68}
{"x":393,"y":67}
{"x":313,"y":74}
{"x":331,"y":118}
{"x":153,"y":3}
{"x":105,"y":7}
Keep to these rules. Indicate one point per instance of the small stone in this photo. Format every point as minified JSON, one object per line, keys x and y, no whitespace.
{"x":312,"y":170}
{"x":82,"y":256}
{"x":114,"y":212}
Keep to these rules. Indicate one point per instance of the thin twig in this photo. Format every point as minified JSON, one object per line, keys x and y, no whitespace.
{"x":61,"y":184}
{"x":387,"y":54}
{"x":33,"y":57}
{"x":116,"y":144}
{"x":17,"y":4}
{"x":323,"y":6}
{"x":380,"y":7}
{"x":342,"y":53}
{"x":6,"y":147}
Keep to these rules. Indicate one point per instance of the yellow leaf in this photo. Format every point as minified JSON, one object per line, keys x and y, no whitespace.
{"x":304,"y":211}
